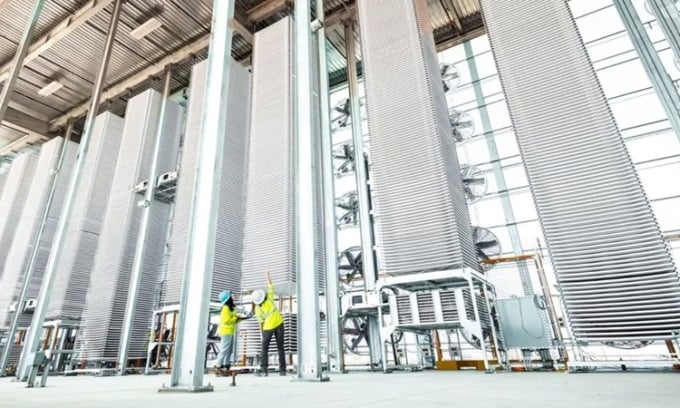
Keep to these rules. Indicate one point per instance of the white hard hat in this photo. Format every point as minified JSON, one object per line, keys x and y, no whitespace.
{"x":258,"y":296}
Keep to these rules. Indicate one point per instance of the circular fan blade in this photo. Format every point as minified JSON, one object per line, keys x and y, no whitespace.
{"x":462,"y":126}
{"x":450,"y":77}
{"x":486,"y":243}
{"x":475,"y":184}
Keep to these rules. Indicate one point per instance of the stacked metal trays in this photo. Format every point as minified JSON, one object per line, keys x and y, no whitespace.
{"x":19,"y":254}
{"x":269,"y":238}
{"x":13,"y":199}
{"x":231,"y":213}
{"x":615,"y":273}
{"x":101,"y":325}
{"x":80,"y":243}
{"x":422,"y":223}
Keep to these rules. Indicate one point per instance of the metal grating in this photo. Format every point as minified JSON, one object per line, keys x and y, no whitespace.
{"x":426,"y":312}
{"x":18,"y":257}
{"x":449,"y":306}
{"x":422,"y":223}
{"x":615,"y":273}
{"x":404,"y":313}
{"x":102,"y":320}
{"x":229,"y":238}
{"x":75,"y":265}
{"x":13,"y":199}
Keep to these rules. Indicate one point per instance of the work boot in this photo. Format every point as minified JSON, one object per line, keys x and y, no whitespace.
{"x":282,"y":373}
{"x":261,"y":373}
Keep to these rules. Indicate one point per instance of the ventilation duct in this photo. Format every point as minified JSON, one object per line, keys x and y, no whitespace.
{"x":615,"y":273}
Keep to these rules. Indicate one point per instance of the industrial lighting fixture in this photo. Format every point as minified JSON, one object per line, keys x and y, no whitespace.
{"x":51,"y":88}
{"x":145,"y":29}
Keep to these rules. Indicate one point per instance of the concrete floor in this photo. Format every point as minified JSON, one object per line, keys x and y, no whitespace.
{"x":413,"y":390}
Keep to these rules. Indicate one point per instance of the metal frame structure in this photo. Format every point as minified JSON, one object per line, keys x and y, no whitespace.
{"x":452,"y":279}
{"x":33,"y":339}
{"x":661,"y":81}
{"x":187,"y":373}
{"x":149,"y":194}
{"x":4,"y":359}
{"x":494,"y":158}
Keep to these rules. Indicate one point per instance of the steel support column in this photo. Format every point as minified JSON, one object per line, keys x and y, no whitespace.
{"x":335,"y":360}
{"x":28,"y":275}
{"x":189,"y":358}
{"x":22,"y":50}
{"x":497,"y":169}
{"x":361,"y":174}
{"x":143,"y":232}
{"x":668,"y":16}
{"x":309,"y":350}
{"x":33,"y":339}
{"x":661,"y":82}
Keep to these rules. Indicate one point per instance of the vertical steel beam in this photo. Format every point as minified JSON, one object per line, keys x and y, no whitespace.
{"x":309,"y":350}
{"x":189,"y":359}
{"x":28,"y":275}
{"x":359,"y":151}
{"x":33,"y":340}
{"x":361,"y":174}
{"x":497,"y":169}
{"x":668,"y":16}
{"x":661,"y":82}
{"x":335,"y":360}
{"x":143,"y":232}
{"x":22,"y":50}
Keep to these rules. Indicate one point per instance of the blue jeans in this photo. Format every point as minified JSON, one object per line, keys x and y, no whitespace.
{"x":226,"y":351}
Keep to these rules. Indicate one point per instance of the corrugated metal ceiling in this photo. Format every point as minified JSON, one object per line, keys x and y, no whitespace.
{"x":73,"y":60}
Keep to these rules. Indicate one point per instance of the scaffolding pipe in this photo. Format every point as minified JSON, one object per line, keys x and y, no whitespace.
{"x":143,"y":232}
{"x":33,"y":339}
{"x":28,"y":276}
{"x":18,"y":63}
{"x":335,"y":360}
{"x":188,"y":363}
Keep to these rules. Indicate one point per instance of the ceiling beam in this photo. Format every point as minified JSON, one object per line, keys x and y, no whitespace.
{"x":61,"y":30}
{"x":122,"y":87}
{"x":239,"y":28}
{"x":27,"y":140}
{"x":445,"y":44}
{"x":24,"y":123}
{"x":266,"y":9}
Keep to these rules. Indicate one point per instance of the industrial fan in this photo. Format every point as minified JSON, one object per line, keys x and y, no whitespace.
{"x":350,"y":264}
{"x":355,"y":335}
{"x":344,"y":155}
{"x":462,"y":125}
{"x":341,"y":114}
{"x":349,"y":205}
{"x":487,"y":244}
{"x":474,"y":183}
{"x":450,"y":77}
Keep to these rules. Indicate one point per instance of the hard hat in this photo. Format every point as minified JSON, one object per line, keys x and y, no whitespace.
{"x":258,"y":296}
{"x":224,"y":296}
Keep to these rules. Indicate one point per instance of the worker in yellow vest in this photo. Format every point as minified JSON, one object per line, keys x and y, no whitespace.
{"x":271,"y":323}
{"x":228,"y":321}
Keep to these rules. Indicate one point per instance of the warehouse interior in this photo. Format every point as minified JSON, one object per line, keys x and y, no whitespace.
{"x":449,"y":196}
